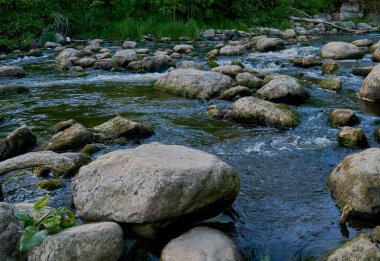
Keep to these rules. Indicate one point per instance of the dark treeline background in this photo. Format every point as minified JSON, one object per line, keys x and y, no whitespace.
{"x":23,"y":21}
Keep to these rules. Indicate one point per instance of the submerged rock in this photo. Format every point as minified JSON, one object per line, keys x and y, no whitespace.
{"x":49,"y":184}
{"x":355,"y":183}
{"x":201,"y":243}
{"x":10,"y":233}
{"x":18,"y":142}
{"x":11,"y":71}
{"x":97,"y":241}
{"x":284,"y":90}
{"x":341,"y":50}
{"x":73,"y":137}
{"x":331,"y":84}
{"x":152,"y":186}
{"x":352,"y":138}
{"x":370,"y":89}
{"x":329,"y":67}
{"x":194,"y":83}
{"x":343,"y":117}
{"x":263,"y":113}
{"x":9,"y":90}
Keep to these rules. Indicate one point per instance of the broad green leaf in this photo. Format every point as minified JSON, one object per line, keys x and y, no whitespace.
{"x":31,"y":237}
{"x":25,"y":218}
{"x":41,"y":203}
{"x":68,"y":219}
{"x":52,"y":224}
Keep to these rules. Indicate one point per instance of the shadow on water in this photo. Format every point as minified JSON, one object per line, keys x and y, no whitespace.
{"x":285,"y":210}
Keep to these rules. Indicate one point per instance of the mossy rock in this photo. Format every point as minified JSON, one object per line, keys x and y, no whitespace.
{"x":50,"y":184}
{"x":212,"y":64}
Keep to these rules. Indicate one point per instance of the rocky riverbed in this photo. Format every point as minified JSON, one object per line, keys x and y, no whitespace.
{"x":254,"y":121}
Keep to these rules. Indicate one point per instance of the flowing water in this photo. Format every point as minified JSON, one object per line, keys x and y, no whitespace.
{"x":284,"y":210}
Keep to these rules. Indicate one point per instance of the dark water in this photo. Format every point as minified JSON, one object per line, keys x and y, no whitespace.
{"x":285,"y":210}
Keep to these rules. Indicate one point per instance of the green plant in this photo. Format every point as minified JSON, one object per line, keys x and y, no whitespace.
{"x":36,"y":229}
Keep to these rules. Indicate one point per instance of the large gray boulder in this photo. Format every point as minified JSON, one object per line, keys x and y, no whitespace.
{"x":11,"y":71}
{"x":17,"y":142}
{"x":201,"y":243}
{"x":10,"y":233}
{"x":67,"y":54}
{"x":158,"y":63}
{"x":285,"y":90}
{"x":123,"y":57}
{"x":153,"y":186}
{"x":361,"y":248}
{"x":194,"y":83}
{"x":97,"y":241}
{"x":355,"y":183}
{"x":341,"y":50}
{"x":264,"y":113}
{"x":269,"y":44}
{"x":370,"y":89}
{"x":73,"y":137}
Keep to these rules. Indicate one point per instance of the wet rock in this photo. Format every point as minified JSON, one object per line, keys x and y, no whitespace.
{"x":331,"y":84}
{"x":230,"y":50}
{"x":62,"y":125}
{"x":11,"y":71}
{"x":249,"y":80}
{"x":120,"y":127}
{"x":355,"y":183}
{"x":263,"y":113}
{"x":376,"y":55}
{"x":269,"y":44}
{"x":17,"y":142}
{"x":57,"y":163}
{"x":362,"y":71}
{"x":86,"y":62}
{"x":97,"y":241}
{"x":230,"y":70}
{"x":105,"y":64}
{"x":363,"y":43}
{"x":10,"y":233}
{"x":370,"y":88}
{"x":359,"y":248}
{"x":183,"y":48}
{"x":67,"y":54}
{"x":286,"y":90}
{"x":73,"y":137}
{"x":51,"y":45}
{"x":306,"y":62}
{"x":215,"y":111}
{"x":10,"y":90}
{"x":158,"y":63}
{"x":90,"y":149}
{"x":201,"y":243}
{"x":343,"y":117}
{"x":289,"y":34}
{"x":123,"y":57}
{"x":341,"y":50}
{"x":129,"y":44}
{"x":375,"y":46}
{"x":352,"y":138}
{"x":209,"y":34}
{"x":194,"y":83}
{"x":212,"y":64}
{"x":235,"y":92}
{"x":152,"y":186}
{"x":329,"y":67}
{"x":50,"y":184}
{"x":191,"y":65}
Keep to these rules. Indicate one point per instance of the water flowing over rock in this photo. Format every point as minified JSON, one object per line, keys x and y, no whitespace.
{"x":10,"y":233}
{"x":96,"y":241}
{"x":370,"y":88}
{"x":264,"y":113}
{"x":341,"y":50}
{"x":355,"y":183}
{"x":201,"y":243}
{"x":194,"y":83}
{"x":152,"y":186}
{"x":286,"y":90}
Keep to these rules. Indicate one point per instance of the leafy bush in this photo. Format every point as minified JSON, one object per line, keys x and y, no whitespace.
{"x":35,"y":230}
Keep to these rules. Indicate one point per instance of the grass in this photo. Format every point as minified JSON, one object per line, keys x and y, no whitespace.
{"x":131,"y":28}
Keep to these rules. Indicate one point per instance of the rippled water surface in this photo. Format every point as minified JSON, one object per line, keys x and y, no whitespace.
{"x":284,"y":209}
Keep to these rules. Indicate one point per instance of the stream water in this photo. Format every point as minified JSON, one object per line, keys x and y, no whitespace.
{"x":285,"y":211}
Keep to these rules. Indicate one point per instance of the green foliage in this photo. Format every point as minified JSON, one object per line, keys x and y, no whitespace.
{"x":35,"y":230}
